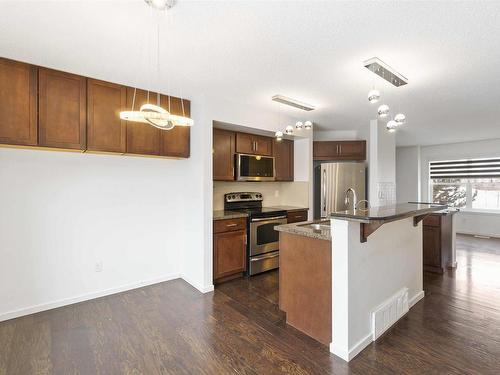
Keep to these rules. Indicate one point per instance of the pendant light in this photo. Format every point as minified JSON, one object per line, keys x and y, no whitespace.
{"x":373,"y":96}
{"x":383,"y":111}
{"x":391,"y":126}
{"x":150,"y":113}
{"x":299,"y":125}
{"x":308,"y":125}
{"x":400,"y":119}
{"x":278,"y":135}
{"x":289,"y":130}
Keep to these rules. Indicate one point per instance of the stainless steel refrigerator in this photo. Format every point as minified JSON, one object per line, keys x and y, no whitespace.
{"x":331,"y":181}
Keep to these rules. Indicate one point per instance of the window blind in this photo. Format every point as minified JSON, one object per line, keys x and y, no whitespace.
{"x":472,"y":168}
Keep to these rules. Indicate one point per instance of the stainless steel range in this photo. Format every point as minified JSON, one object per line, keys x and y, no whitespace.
{"x":263,"y":244}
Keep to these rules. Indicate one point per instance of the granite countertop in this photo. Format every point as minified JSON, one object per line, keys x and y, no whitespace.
{"x":387,"y":213}
{"x":305,"y":229}
{"x":291,"y":208}
{"x":222,"y":215}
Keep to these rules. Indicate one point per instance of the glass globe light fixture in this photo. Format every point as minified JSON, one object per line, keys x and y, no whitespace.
{"x":289,"y":130}
{"x":400,"y":119}
{"x":308,"y":125}
{"x":299,"y":125}
{"x":278,"y":135}
{"x":383,"y":110}
{"x":391,"y":126}
{"x":373,"y":96}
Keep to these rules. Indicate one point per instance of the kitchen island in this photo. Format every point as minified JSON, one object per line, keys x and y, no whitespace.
{"x":375,"y":273}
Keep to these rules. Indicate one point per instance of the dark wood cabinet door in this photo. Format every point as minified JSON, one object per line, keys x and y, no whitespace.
{"x":283,"y":159}
{"x":142,"y":139}
{"x":339,"y":150}
{"x":229,"y":253}
{"x":245,"y":143}
{"x":18,"y":103}
{"x":296,"y":216}
{"x":62,"y":113}
{"x":263,"y":145}
{"x":432,"y":246}
{"x":176,"y":142}
{"x":223,"y":155}
{"x":355,"y":150}
{"x":106,"y":132}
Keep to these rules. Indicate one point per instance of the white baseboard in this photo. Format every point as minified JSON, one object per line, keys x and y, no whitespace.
{"x":347,"y":355}
{"x":417,"y":297}
{"x":83,"y":297}
{"x":201,"y":288}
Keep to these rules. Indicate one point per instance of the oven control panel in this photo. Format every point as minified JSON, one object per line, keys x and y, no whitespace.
{"x":243,"y":197}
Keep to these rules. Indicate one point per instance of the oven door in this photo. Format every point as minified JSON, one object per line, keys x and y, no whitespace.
{"x":263,"y":237}
{"x":254,"y":168}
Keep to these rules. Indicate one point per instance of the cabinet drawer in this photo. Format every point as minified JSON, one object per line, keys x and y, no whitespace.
{"x":229,"y":225}
{"x":432,"y":221}
{"x":296,"y":216}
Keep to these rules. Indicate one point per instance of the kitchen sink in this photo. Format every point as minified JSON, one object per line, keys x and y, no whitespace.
{"x":322,"y":225}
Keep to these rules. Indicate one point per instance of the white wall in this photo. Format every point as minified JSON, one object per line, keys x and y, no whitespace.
{"x":481,"y":223}
{"x":381,"y":165}
{"x":408,"y":174}
{"x":365,"y":275}
{"x":64,"y":212}
{"x":335,"y":135}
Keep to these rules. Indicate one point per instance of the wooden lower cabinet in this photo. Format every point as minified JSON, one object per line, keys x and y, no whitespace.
{"x":18,"y":103}
{"x":296,"y":216}
{"x":437,"y":242}
{"x":230,"y":249}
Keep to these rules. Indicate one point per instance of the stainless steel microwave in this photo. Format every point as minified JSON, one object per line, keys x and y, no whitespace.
{"x":254,"y":168}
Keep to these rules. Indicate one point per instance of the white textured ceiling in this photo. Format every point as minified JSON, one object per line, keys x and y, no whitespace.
{"x":248,"y":51}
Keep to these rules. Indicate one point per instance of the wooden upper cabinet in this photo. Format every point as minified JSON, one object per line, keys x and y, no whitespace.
{"x":339,"y":150}
{"x":62,"y":115}
{"x":18,"y":103}
{"x":283,"y":159}
{"x":223,"y":155}
{"x":176,"y":142}
{"x":105,"y":130}
{"x":142,"y":139}
{"x":254,"y":144}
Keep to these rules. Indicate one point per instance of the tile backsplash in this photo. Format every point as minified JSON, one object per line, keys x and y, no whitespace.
{"x":386,"y":192}
{"x":275,"y":193}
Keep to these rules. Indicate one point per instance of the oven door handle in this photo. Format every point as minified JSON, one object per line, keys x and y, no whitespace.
{"x":264,"y":257}
{"x":268,"y":218}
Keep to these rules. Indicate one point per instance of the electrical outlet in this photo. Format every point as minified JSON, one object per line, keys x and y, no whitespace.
{"x":276,"y":193}
{"x":98,"y":266}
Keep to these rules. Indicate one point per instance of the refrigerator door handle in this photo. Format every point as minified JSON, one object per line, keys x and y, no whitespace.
{"x":323,"y":200}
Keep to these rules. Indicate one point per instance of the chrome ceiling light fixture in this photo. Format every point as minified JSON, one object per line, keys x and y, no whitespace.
{"x":373,"y":96}
{"x":299,"y":125}
{"x":383,"y":111}
{"x":154,"y":114}
{"x":308,"y":125}
{"x":278,"y":135}
{"x":391,"y":126}
{"x":400,"y":119}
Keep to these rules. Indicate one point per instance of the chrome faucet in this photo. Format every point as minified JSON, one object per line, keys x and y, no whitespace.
{"x":347,"y":200}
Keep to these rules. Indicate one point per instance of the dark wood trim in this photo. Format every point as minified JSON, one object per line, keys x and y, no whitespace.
{"x":368,"y":228}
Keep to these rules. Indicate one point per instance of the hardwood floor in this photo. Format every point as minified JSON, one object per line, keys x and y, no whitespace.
{"x":170,"y":328}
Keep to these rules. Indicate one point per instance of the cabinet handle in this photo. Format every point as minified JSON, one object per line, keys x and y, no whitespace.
{"x":298,"y":216}
{"x":337,"y":149}
{"x":256,"y":146}
{"x":340,"y":149}
{"x":231,"y":225}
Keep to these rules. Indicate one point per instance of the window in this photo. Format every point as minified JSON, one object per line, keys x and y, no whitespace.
{"x":472,"y":184}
